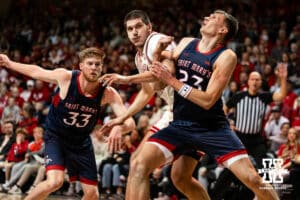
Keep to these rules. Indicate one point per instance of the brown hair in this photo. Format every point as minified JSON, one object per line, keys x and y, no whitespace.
{"x":21,"y":130}
{"x":134,"y":14}
{"x":91,"y":52}
{"x":231,"y":23}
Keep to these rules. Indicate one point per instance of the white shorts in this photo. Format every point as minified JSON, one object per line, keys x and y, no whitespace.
{"x":163,"y":121}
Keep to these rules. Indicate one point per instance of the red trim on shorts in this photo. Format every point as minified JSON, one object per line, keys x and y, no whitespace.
{"x":154,"y":129}
{"x":225,"y":157}
{"x":55,"y":167}
{"x":73,"y":178}
{"x":164,"y":143}
{"x":88,"y":181}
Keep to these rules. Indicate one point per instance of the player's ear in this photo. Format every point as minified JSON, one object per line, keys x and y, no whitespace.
{"x":224,"y":30}
{"x":80,"y":66}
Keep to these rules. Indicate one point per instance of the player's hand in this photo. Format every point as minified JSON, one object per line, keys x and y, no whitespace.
{"x":163,"y":43}
{"x":4,"y":60}
{"x":106,"y":128}
{"x":109,"y":79}
{"x":127,"y":141}
{"x":161,"y":72}
{"x":114,"y":139}
{"x":161,"y":46}
{"x":281,"y":70}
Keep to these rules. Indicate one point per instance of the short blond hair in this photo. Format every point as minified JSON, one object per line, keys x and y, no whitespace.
{"x":91,"y":52}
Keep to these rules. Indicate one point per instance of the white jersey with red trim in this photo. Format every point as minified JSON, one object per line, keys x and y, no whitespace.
{"x":144,"y":60}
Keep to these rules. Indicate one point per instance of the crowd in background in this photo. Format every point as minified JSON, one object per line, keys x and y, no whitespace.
{"x":51,"y":35}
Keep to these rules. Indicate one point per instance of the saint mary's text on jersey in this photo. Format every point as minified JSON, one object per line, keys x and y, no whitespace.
{"x":81,"y":108}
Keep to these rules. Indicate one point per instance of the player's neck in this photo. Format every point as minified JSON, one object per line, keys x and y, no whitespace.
{"x":88,"y":88}
{"x":207,"y":44}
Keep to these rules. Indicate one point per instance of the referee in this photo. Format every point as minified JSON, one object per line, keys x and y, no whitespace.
{"x":250,"y":107}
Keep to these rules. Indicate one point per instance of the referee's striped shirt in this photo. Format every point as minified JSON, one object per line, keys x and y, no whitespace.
{"x":250,"y":110}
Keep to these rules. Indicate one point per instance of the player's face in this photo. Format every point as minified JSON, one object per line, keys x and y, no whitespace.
{"x":137,"y":31}
{"x":91,"y":68}
{"x":213,"y":24}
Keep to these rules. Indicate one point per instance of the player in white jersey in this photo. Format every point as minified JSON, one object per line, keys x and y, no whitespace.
{"x":139,"y":31}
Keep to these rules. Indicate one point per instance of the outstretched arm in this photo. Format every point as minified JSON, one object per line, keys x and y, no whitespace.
{"x":146,"y":76}
{"x":32,"y":71}
{"x":60,"y":76}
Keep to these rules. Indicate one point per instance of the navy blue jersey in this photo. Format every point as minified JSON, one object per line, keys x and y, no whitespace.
{"x":74,"y":117}
{"x":195,"y":69}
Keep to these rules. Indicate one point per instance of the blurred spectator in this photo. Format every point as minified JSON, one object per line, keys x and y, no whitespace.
{"x":290,"y":149}
{"x":268,"y":76}
{"x":3,"y":97}
{"x":28,"y":121}
{"x":15,"y":92}
{"x":26,"y":93}
{"x":288,"y":101}
{"x":230,"y":90}
{"x":11,"y":111}
{"x":7,"y":138}
{"x":276,"y":119}
{"x":16,"y":153}
{"x":277,"y":140}
{"x":22,"y":171}
{"x":40,"y":93}
{"x":110,"y":170}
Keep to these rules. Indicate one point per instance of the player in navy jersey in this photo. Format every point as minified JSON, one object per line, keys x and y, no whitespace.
{"x":72,"y":116}
{"x":140,"y":33}
{"x":203,"y":69}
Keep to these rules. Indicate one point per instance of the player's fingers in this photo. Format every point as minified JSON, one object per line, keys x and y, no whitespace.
{"x":111,"y":81}
{"x":119,"y":143}
{"x":116,"y":146}
{"x":110,"y":145}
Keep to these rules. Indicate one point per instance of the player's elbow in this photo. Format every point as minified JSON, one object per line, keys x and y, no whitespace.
{"x":207,"y":105}
{"x":209,"y":102}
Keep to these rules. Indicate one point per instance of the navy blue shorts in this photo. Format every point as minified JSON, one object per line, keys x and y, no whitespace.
{"x":181,"y":137}
{"x":79,"y":159}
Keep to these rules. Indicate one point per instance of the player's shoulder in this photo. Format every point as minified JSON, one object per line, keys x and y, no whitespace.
{"x":229,"y":52}
{"x":180,"y":47}
{"x":185,"y":40}
{"x":156,"y":36}
{"x":226,"y":56}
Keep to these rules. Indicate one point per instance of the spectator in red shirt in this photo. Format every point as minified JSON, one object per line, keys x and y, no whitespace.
{"x":29,"y":121}
{"x":289,"y":150}
{"x":16,"y":152}
{"x":40,"y":93}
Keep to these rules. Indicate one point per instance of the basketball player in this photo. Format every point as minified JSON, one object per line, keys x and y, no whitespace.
{"x":72,"y":116}
{"x":203,"y":69}
{"x":140,"y":34}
